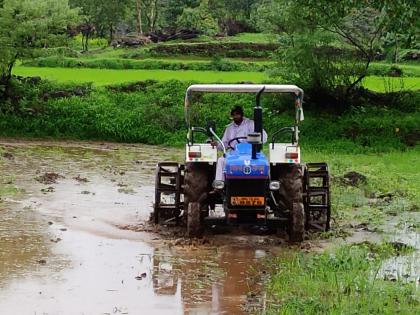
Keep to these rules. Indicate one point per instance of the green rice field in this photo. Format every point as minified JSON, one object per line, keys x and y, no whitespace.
{"x":391,"y":84}
{"x":107,"y":76}
{"x":102,"y":77}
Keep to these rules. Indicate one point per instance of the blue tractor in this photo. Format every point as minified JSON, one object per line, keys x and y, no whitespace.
{"x":274,"y":190}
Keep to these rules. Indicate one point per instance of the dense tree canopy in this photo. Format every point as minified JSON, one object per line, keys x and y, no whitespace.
{"x":325,"y":45}
{"x":28,"y":25}
{"x":151,"y":15}
{"x":199,"y":19}
{"x":104,"y":14}
{"x":330,"y":45}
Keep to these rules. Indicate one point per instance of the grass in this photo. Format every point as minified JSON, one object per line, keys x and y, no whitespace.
{"x":346,"y":279}
{"x":252,"y":38}
{"x":391,"y":84}
{"x":151,"y":112}
{"x":98,"y":47}
{"x":9,"y":190}
{"x":147,"y":64}
{"x":8,"y":186}
{"x":394,"y":172}
{"x":409,"y":70}
{"x":125,"y":53}
{"x":343,"y":281}
{"x":102,"y":77}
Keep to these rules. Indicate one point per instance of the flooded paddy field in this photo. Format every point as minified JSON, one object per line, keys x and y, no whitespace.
{"x":74,"y":239}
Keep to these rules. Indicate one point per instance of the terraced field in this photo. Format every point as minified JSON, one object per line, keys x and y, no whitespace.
{"x":111,"y":76}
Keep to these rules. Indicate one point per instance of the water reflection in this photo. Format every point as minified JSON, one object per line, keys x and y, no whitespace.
{"x":406,"y":267}
{"x":22,"y":243}
{"x":61,"y":253}
{"x":214,"y":281}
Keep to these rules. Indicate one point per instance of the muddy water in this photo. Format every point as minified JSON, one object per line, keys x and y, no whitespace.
{"x":61,"y":251}
{"x":405,"y":268}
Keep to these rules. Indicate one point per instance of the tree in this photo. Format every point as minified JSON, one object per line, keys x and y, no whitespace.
{"x":199,"y":19}
{"x":363,"y":24}
{"x":138,"y":17}
{"x":241,"y":9}
{"x":276,"y":17}
{"x":233,"y":16}
{"x":151,"y":13}
{"x":330,"y":44}
{"x":172,"y":9}
{"x":29,"y":25}
{"x":104,"y":14}
{"x":403,"y":25}
{"x":88,"y":13}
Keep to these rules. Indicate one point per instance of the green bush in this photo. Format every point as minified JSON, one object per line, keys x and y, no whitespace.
{"x":96,"y":42}
{"x":152,"y":113}
{"x":401,"y":70}
{"x":214,"y":65}
{"x":410,"y":55}
{"x":209,"y":49}
{"x":60,"y":51}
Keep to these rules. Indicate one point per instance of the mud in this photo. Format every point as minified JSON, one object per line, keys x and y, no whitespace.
{"x":76,"y":241}
{"x":404,"y":267}
{"x":79,"y":242}
{"x":48,"y":178}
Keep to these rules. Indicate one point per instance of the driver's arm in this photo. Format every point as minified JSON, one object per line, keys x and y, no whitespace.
{"x":251,"y":129}
{"x":264,"y":136}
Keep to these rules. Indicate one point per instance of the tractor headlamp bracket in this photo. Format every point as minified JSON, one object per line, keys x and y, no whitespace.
{"x":274,"y":185}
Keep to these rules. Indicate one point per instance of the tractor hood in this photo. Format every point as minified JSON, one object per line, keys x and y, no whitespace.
{"x":239,"y":164}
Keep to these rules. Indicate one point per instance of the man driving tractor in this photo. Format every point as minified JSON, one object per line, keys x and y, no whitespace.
{"x":240,"y":127}
{"x":275,"y":190}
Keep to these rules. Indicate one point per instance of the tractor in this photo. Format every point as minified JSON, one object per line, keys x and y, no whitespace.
{"x":273,"y":189}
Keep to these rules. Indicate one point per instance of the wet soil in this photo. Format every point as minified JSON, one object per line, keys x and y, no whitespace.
{"x":74,"y":239}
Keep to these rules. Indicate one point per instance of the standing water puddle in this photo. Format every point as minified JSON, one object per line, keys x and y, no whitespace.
{"x":405,"y":267}
{"x":62,"y":253}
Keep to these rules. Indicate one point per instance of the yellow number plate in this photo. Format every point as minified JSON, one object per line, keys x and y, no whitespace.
{"x":247,"y":201}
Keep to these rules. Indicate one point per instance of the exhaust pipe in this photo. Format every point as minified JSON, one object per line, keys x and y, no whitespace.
{"x":258,"y":123}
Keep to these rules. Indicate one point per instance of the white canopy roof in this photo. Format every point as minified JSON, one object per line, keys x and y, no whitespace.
{"x":242,"y":88}
{"x":246,"y":88}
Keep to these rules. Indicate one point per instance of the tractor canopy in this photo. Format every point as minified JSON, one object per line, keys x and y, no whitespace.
{"x":245,"y":88}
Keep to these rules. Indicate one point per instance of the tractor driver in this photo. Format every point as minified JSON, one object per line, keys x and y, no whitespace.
{"x":240,"y":127}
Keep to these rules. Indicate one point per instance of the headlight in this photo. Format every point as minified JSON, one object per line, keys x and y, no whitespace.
{"x":218,"y":184}
{"x":274,"y":185}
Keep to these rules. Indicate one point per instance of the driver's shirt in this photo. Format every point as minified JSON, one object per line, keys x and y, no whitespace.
{"x":233,"y":131}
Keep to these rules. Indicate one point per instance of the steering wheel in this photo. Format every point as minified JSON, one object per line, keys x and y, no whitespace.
{"x":235,"y":139}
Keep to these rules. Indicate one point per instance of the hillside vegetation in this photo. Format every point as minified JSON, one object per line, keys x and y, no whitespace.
{"x":152,"y":112}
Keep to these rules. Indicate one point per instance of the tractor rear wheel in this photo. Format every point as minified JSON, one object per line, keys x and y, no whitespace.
{"x":291,"y":194}
{"x":194,"y":226}
{"x":297,"y":223}
{"x":196,"y":187}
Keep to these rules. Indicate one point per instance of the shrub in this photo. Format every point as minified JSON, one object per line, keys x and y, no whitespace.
{"x":410,"y":55}
{"x":209,"y":49}
{"x":214,"y":65}
{"x":151,"y":112}
{"x":60,"y":51}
